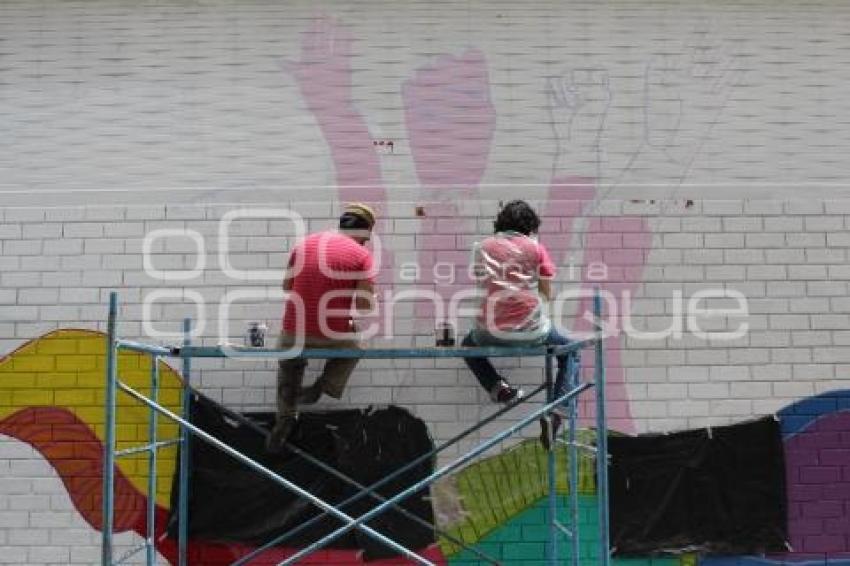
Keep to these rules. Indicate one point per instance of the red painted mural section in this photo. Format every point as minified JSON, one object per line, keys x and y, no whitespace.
{"x":75,"y":452}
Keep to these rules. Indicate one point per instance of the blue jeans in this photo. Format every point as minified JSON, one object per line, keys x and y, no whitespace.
{"x":488,"y":377}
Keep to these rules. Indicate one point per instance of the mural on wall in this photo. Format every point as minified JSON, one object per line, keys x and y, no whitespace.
{"x":51,"y":389}
{"x":51,"y":397}
{"x":817,"y":463}
{"x":816,"y":434}
{"x":685,"y":93}
{"x":504,"y":509}
{"x":578,"y":108}
{"x":450,"y":120}
{"x":324,"y":77}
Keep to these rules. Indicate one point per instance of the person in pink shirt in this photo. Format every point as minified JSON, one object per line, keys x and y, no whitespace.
{"x":329,"y":275}
{"x":514,"y":271}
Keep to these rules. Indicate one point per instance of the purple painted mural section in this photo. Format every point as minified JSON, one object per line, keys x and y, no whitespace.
{"x":818,"y":473}
{"x":816,"y":433}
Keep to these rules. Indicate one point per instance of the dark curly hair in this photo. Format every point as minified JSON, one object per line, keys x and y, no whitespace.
{"x":517,"y":216}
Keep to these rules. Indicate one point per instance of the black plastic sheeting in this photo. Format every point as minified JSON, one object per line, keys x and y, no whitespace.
{"x":717,"y":491}
{"x":228,"y":502}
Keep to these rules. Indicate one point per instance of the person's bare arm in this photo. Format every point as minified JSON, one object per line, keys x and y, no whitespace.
{"x":545,"y":288}
{"x":365,"y":296}
{"x":287,"y":274}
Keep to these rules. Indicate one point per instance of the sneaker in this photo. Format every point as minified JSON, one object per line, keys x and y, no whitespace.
{"x":280,"y":432}
{"x":504,"y":392}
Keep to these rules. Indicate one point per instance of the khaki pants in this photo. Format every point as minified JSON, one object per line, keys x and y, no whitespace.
{"x":290,"y":373}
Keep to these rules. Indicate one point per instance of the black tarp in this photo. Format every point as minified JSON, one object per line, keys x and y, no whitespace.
{"x":228,"y":502}
{"x":718,"y":491}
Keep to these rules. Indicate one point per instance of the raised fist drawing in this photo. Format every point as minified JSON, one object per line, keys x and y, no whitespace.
{"x":578,"y":105}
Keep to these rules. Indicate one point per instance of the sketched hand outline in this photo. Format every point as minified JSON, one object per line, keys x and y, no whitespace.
{"x":578,"y":105}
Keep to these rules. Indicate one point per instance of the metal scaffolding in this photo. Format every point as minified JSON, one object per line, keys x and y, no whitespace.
{"x":555,"y":401}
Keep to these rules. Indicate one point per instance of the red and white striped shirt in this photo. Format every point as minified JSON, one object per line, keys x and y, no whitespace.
{"x":325,"y":269}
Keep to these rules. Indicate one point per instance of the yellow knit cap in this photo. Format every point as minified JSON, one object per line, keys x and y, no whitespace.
{"x":362,"y":210}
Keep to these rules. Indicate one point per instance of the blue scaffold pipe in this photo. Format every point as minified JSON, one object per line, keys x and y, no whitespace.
{"x":483,"y":447}
{"x":185,"y":461}
{"x":602,"y":440}
{"x":150,"y":551}
{"x":147,"y":447}
{"x":572,"y":439}
{"x":275,"y":477}
{"x":242,"y":352}
{"x":109,"y":441}
{"x":143,"y":348}
{"x":552,"y":543}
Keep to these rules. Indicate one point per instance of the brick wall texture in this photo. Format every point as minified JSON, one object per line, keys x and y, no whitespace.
{"x":153,"y":148}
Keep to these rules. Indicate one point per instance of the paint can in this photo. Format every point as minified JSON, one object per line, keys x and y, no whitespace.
{"x":256,"y":335}
{"x":444,"y":334}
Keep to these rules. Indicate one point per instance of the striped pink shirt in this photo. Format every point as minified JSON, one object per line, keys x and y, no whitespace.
{"x":325,"y":265}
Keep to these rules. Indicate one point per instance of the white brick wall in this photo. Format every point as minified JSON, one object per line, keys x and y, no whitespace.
{"x":38,"y":521}
{"x":797,"y":325}
{"x":111,"y":131}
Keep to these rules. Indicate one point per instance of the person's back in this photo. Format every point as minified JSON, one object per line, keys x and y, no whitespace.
{"x":510,"y":265}
{"x":514,"y":270}
{"x":326,"y":268}
{"x":328,"y":276}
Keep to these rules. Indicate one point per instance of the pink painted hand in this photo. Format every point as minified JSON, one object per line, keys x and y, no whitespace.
{"x":450,"y":120}
{"x":324,"y":70}
{"x":324,"y":75}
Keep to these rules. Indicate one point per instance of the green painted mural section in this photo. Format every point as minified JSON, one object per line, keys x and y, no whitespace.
{"x":493,"y":491}
{"x":501,"y":509}
{"x":522,"y":540}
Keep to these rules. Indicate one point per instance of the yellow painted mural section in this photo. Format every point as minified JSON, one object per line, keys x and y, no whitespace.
{"x":67,"y":369}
